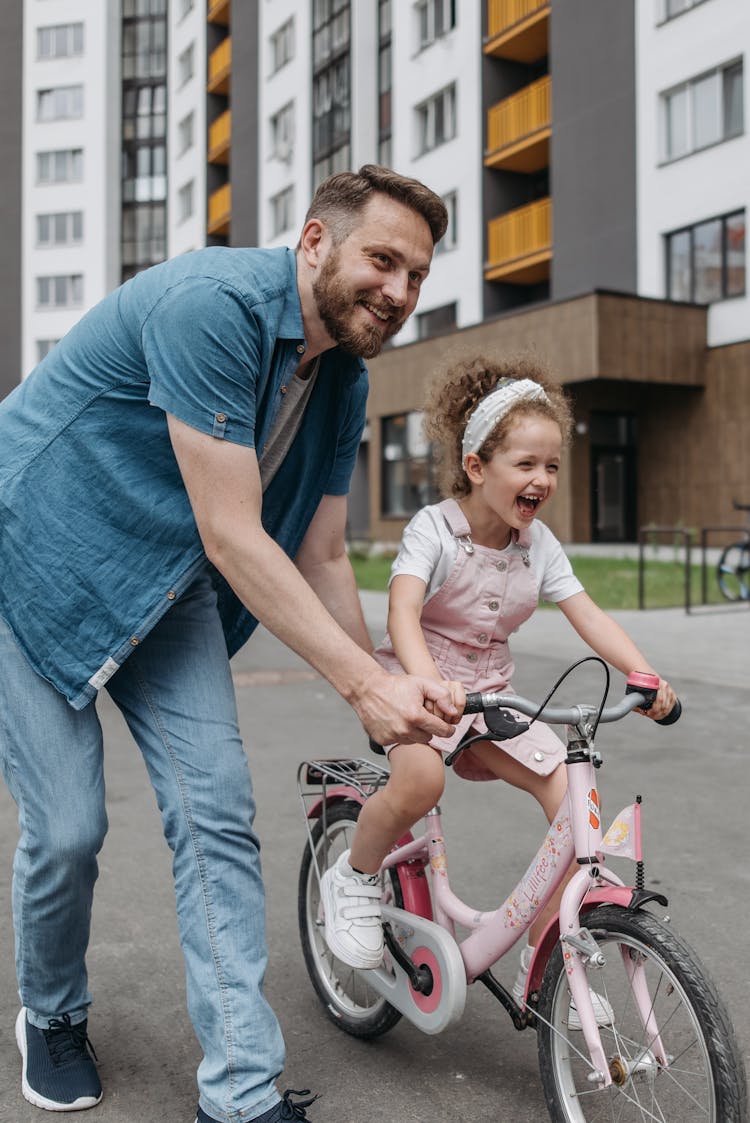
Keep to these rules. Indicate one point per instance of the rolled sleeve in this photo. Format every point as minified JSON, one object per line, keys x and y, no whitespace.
{"x":202,"y":349}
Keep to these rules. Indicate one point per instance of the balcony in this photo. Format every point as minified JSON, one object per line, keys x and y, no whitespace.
{"x":519,"y":128}
{"x":517,"y":29}
{"x":220,"y":211}
{"x":220,"y":138}
{"x":519,"y":245}
{"x":219,"y":11}
{"x":220,"y":67}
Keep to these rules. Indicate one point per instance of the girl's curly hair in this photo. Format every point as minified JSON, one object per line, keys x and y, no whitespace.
{"x":454,"y":394}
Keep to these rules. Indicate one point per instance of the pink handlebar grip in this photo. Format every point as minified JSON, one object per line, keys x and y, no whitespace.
{"x":642,"y":680}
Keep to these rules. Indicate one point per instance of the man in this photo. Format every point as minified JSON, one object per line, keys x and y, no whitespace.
{"x":158,"y":471}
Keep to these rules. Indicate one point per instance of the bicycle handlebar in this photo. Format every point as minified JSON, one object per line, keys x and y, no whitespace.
{"x":640,"y":692}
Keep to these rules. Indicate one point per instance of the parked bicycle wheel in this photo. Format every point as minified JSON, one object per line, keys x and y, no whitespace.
{"x":704,"y":1079}
{"x":733,"y":572}
{"x":347,"y":998}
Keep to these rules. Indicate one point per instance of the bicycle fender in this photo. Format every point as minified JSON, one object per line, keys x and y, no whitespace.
{"x":623,"y":895}
{"x":341,"y":794}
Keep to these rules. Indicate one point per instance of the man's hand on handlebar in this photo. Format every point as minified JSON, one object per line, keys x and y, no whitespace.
{"x":407,"y":709}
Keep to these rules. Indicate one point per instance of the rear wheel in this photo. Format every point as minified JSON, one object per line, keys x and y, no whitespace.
{"x":348,"y":999}
{"x":734,"y":572}
{"x":704,"y":1079}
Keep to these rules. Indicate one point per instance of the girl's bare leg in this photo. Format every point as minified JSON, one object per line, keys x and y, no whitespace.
{"x":414,"y":786}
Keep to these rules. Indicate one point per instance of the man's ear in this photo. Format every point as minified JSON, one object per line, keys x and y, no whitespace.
{"x":312,"y":240}
{"x":474,"y":468}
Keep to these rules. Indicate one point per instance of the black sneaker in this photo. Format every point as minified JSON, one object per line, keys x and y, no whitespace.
{"x":58,"y":1072}
{"x":283,"y":1112}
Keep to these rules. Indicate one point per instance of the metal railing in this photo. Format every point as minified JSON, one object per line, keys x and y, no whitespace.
{"x":681,"y":538}
{"x":519,"y":116}
{"x":519,"y":234}
{"x":502,"y":14}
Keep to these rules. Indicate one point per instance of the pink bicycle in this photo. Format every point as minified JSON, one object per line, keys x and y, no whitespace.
{"x":668,"y":1051}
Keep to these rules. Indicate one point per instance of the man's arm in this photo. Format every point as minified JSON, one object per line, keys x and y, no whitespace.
{"x":223,"y":483}
{"x":324,"y":563}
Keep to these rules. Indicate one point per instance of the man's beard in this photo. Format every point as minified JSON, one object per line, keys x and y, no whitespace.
{"x":336,"y":305}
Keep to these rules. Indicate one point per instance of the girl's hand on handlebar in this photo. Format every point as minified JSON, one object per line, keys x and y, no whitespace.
{"x":663,"y":704}
{"x":458,"y":700}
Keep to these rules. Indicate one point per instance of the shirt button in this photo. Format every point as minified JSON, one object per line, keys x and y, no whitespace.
{"x":300,"y":348}
{"x":221,"y":418}
{"x":482,"y":637}
{"x":283,"y":390}
{"x":134,"y":641}
{"x":494,"y":605}
{"x":538,"y":757}
{"x":501,"y":565}
{"x":171,"y":594}
{"x":471,"y":656}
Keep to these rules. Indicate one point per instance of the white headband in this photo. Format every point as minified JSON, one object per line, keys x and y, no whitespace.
{"x":494,"y":407}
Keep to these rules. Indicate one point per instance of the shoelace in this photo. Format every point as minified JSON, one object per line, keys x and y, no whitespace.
{"x":66,"y":1042}
{"x":291,"y":1110}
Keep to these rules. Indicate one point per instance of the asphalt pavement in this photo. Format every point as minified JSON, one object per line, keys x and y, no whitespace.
{"x":693,"y":777}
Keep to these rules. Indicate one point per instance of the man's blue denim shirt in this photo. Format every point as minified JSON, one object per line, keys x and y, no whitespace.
{"x":98,"y":536}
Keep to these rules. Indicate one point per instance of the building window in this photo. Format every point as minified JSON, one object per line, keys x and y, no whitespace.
{"x":449,"y":240}
{"x":59,"y":292}
{"x":63,"y":103}
{"x":282,"y":211}
{"x":63,"y":229}
{"x":62,"y":166}
{"x":703,"y":111}
{"x":186,"y":65}
{"x":706,"y":262}
{"x":385,"y":82}
{"x":437,"y":320}
{"x":282,"y":133}
{"x":144,"y":113}
{"x":434,"y":19}
{"x":407,"y":470}
{"x":186,"y":134}
{"x":185,"y":202}
{"x":668,"y":9}
{"x":63,"y":41}
{"x":43,"y":348}
{"x":144,"y":48}
{"x":282,"y":45}
{"x":144,"y":237}
{"x":436,"y":120}
{"x":331,"y":93}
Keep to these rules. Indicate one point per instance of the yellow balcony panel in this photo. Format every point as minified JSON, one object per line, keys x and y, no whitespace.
{"x":519,"y":245}
{"x":519,"y":128}
{"x":517,"y":29}
{"x":220,"y":138}
{"x":220,"y":210}
{"x":219,"y":11}
{"x":220,"y":67}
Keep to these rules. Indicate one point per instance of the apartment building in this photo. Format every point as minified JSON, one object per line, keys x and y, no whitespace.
{"x":593,"y":156}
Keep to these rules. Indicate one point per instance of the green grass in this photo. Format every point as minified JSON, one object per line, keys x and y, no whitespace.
{"x":611,"y":582}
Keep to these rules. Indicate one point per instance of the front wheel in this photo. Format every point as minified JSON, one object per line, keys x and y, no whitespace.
{"x":733,"y":572}
{"x":704,"y":1077}
{"x":347,"y":999}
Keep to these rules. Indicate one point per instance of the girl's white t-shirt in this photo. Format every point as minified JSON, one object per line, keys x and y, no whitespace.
{"x":429,"y":550}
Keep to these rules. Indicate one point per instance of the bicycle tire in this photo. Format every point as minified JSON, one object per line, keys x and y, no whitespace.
{"x":705,"y":1079}
{"x":733,"y":572}
{"x":350,"y":1003}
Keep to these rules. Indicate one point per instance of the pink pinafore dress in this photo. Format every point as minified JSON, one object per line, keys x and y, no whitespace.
{"x":466,"y":624}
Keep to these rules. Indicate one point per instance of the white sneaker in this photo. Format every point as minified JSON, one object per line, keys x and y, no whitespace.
{"x":351,"y":906}
{"x":604,"y":1013}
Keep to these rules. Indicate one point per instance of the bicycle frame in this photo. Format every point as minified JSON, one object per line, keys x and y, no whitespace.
{"x":576,"y":831}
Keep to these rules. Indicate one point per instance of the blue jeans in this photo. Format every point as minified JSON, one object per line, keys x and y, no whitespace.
{"x":175,"y":692}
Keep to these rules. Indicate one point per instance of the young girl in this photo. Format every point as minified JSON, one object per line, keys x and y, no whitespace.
{"x":470,"y":570}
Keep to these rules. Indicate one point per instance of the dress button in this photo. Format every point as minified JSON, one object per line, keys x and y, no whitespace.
{"x":501,"y":565}
{"x":221,"y":418}
{"x":482,"y":637}
{"x":538,"y":757}
{"x":171,"y":594}
{"x":493,"y":605}
{"x":471,"y":656}
{"x":134,"y":641}
{"x":300,"y":348}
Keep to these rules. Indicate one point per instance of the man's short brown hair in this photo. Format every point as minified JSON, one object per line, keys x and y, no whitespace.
{"x":341,"y":197}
